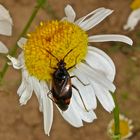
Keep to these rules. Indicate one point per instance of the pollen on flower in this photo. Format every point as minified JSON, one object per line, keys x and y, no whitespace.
{"x":57,"y":37}
{"x":135,"y":4}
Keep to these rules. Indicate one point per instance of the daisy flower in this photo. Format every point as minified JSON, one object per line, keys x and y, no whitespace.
{"x":134,"y":17}
{"x":125,"y":127}
{"x":5,"y":27}
{"x":50,"y":43}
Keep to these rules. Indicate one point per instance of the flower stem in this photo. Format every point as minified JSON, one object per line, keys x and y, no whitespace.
{"x":116,"y":119}
{"x":14,"y":49}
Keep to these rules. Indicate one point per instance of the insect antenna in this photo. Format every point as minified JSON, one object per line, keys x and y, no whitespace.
{"x":67,"y":54}
{"x":68,"y":51}
{"x":52,"y":55}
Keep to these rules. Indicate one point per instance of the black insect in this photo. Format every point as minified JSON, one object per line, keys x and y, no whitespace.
{"x":61,"y":90}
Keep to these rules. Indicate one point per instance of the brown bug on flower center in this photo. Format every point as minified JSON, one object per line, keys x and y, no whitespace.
{"x":61,"y":91}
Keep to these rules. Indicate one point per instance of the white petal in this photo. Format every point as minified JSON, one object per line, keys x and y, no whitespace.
{"x":133,"y":20}
{"x":46,"y":105}
{"x":86,"y":92}
{"x":70,"y":13}
{"x":15,"y":62}
{"x":97,"y":59}
{"x":71,"y":115}
{"x":21,"y":59}
{"x":21,"y":88}
{"x":5,"y":28}
{"x":4,"y":14}
{"x":21,"y":42}
{"x":104,"y":97}
{"x":95,"y":19}
{"x":3,"y":48}
{"x":5,"y":22}
{"x":80,"y":20}
{"x":36,"y":87}
{"x":110,"y":37}
{"x":26,"y":89}
{"x":103,"y":54}
{"x":47,"y":108}
{"x":47,"y":114}
{"x":26,"y":95}
{"x":23,"y":83}
{"x":97,"y":76}
{"x":82,"y":77}
{"x":87,"y":116}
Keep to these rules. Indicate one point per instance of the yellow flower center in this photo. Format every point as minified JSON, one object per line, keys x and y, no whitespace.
{"x":135,"y":4}
{"x":125,"y":128}
{"x":54,"y":39}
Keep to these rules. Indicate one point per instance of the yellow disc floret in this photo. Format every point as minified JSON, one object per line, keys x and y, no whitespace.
{"x":135,"y":4}
{"x":54,"y":39}
{"x":125,"y":127}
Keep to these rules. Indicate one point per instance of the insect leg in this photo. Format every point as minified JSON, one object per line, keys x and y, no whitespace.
{"x":71,"y":67}
{"x":50,"y":97}
{"x":80,"y":97}
{"x":74,"y":76}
